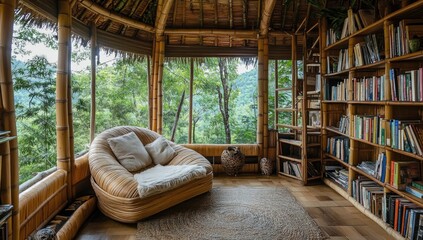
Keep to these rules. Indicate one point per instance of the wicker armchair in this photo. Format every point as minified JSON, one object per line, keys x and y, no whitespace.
{"x":116,"y":188}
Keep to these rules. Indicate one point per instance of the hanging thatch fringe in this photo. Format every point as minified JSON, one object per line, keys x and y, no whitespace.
{"x":10,"y":170}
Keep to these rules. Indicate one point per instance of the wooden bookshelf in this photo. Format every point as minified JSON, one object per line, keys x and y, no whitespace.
{"x":388,"y":110}
{"x":303,"y":146}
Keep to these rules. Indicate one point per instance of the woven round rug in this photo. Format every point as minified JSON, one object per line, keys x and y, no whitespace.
{"x":234,"y":213}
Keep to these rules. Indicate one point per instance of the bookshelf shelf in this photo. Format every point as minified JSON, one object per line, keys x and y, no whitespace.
{"x":289,"y":175}
{"x":368,"y":102}
{"x":336,"y":74}
{"x":361,"y":172}
{"x":380,"y":64}
{"x":291,"y":158}
{"x":346,"y":165}
{"x":336,"y":131}
{"x":388,"y":71}
{"x":297,"y":143}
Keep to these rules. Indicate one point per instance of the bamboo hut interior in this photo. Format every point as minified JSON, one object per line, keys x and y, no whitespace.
{"x":152,"y":29}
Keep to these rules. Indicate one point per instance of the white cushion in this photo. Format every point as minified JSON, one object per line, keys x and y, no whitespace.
{"x":160,"y":151}
{"x":160,"y":178}
{"x":130,"y":151}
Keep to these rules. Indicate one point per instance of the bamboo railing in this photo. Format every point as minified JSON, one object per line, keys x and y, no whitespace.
{"x":10,"y":170}
{"x":62,"y":117}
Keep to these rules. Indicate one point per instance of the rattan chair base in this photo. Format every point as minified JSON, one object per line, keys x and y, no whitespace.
{"x":130,"y":210}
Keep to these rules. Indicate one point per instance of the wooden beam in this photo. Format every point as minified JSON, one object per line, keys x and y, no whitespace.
{"x":265,"y":16}
{"x":164,"y":13}
{"x":93,"y":80}
{"x":93,"y":7}
{"x":247,"y":34}
{"x":7,"y":10}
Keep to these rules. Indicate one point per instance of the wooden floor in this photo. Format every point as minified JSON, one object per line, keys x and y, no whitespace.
{"x":335,"y":215}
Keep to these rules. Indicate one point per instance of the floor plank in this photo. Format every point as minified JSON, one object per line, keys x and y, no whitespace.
{"x":335,"y":215}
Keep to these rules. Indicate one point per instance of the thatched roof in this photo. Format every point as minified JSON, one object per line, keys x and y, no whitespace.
{"x":196,"y":28}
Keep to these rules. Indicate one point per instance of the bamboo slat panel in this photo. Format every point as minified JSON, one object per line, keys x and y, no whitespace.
{"x":81,"y":169}
{"x":41,"y":201}
{"x":71,"y":227}
{"x":215,"y":150}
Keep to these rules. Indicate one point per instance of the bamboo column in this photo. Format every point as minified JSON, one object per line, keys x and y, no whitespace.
{"x":7,"y":8}
{"x":160,"y":87}
{"x":62,"y":121}
{"x":265,"y":97}
{"x":294,"y":79}
{"x":93,"y":80}
{"x":150,"y":94}
{"x":260,"y":91}
{"x":70,"y":121}
{"x":155,"y":58}
{"x":191,"y":83}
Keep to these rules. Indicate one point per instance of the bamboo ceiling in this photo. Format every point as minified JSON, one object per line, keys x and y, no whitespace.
{"x":207,"y":25}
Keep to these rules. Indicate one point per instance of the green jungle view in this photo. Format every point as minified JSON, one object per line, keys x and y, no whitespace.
{"x":224,"y":102}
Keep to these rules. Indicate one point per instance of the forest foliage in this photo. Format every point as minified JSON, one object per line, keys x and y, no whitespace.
{"x":122,"y":99}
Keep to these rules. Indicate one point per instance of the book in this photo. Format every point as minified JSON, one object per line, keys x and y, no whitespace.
{"x":414,"y":191}
{"x":367,"y":16}
{"x":417,"y":184}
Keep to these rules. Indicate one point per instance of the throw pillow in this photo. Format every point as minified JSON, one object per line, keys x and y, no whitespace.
{"x":160,"y":151}
{"x":130,"y":151}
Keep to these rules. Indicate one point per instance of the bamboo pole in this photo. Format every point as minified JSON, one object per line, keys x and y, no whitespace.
{"x":260,"y":91}
{"x":95,"y":8}
{"x":93,"y":80}
{"x":294,"y":78}
{"x":304,"y":114}
{"x":154,"y":85}
{"x":276,"y":95}
{"x":62,"y":121}
{"x":164,"y":13}
{"x":178,"y":112}
{"x":235,"y":33}
{"x":160,"y":87}
{"x":265,"y":97}
{"x":265,"y":17}
{"x":191,"y":87}
{"x":7,"y":8}
{"x":70,"y":120}
{"x":150,"y":94}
